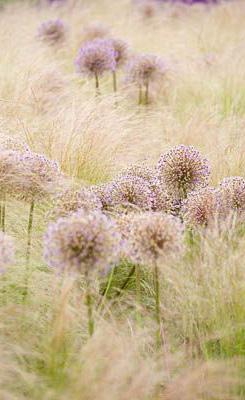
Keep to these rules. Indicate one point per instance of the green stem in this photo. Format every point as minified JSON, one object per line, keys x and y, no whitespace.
{"x":106,"y":290}
{"x":97,"y":85}
{"x":140,"y":95}
{"x":138,"y":293}
{"x":157,"y":306}
{"x":147,"y":93}
{"x":89,"y":304}
{"x":3,"y":212}
{"x":29,"y":233}
{"x":114,"y":76}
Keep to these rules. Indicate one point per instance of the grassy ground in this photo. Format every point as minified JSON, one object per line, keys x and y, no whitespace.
{"x":44,"y":349}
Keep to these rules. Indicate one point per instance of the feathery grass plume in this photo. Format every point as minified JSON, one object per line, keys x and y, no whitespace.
{"x":144,"y":70}
{"x":52,"y":32}
{"x":7,"y":251}
{"x":131,"y":193}
{"x":71,"y":201}
{"x":183,"y":169}
{"x":120,"y":48}
{"x":8,"y":143}
{"x":154,"y":238}
{"x":95,"y":58}
{"x":202,"y":207}
{"x":83,"y":243}
{"x":233,"y":194}
{"x":95,"y":30}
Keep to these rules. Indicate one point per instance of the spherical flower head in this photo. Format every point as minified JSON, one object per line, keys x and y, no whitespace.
{"x":120,"y":48}
{"x":9,"y":170}
{"x":71,"y":201}
{"x":144,"y":69}
{"x":7,"y":251}
{"x":142,"y":171}
{"x":82,"y":243}
{"x":132,"y":192}
{"x":37,"y":177}
{"x":182,"y":170}
{"x":233,"y":193}
{"x":52,"y":31}
{"x":202,"y":208}
{"x":103,"y":193}
{"x":95,"y":30}
{"x":96,"y":58}
{"x":162,"y":201}
{"x":9,"y":143}
{"x":154,"y":238}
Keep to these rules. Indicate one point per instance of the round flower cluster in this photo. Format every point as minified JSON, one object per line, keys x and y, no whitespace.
{"x":154,"y":237}
{"x":120,"y":49}
{"x":7,"y":251}
{"x":96,"y":57}
{"x":82,"y":243}
{"x":95,"y":30}
{"x":182,"y":169}
{"x":233,"y":193}
{"x":52,"y":31}
{"x":103,"y":193}
{"x":71,"y":201}
{"x":144,"y":69}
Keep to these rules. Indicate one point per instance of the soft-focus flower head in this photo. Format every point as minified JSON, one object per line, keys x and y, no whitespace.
{"x":71,"y":201}
{"x":233,"y":193}
{"x":132,"y":193}
{"x":7,"y":251}
{"x":148,"y":8}
{"x":95,"y":30}
{"x":9,"y":143}
{"x":96,"y":58}
{"x":82,"y":243}
{"x":142,"y":171}
{"x":203,"y":208}
{"x":154,"y":238}
{"x":120,"y":48}
{"x":182,"y":169}
{"x":144,"y":69}
{"x":9,"y":170}
{"x":162,"y":201}
{"x":103,"y":193}
{"x":52,"y":31}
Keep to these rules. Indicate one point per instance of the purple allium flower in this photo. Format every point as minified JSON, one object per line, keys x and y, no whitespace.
{"x":9,"y":170}
{"x":82,"y":243}
{"x":95,"y":30}
{"x":120,"y":48}
{"x":233,"y":193}
{"x":37,"y":177}
{"x":154,"y":237}
{"x":95,"y":58}
{"x":71,"y":201}
{"x":202,"y":207}
{"x":52,"y":31}
{"x":145,"y":69}
{"x":182,"y":169}
{"x":132,"y":193}
{"x":9,"y":143}
{"x":162,"y":201}
{"x":103,"y":193}
{"x":7,"y":251}
{"x":140,"y":171}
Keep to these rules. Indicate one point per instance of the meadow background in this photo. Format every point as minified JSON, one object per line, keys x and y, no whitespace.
{"x":45,"y":351}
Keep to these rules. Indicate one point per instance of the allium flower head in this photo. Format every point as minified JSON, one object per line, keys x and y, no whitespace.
{"x":52,"y":31}
{"x":82,"y":243}
{"x":132,"y":192}
{"x":202,"y":207}
{"x":9,"y":169}
{"x":9,"y":143}
{"x":162,"y":201}
{"x":144,"y":69}
{"x":71,"y":201}
{"x":183,"y":169}
{"x":140,"y":171}
{"x":154,"y":237}
{"x":95,"y":58}
{"x":95,"y":30}
{"x":103,"y":193}
{"x":233,"y":193}
{"x":120,"y":48}
{"x":37,"y":177}
{"x":7,"y":251}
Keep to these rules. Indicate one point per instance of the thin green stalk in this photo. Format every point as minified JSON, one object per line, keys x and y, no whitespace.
{"x":147,"y":93}
{"x":29,"y":232}
{"x":89,"y":304}
{"x":114,"y":76}
{"x":138,"y":293}
{"x":97,"y":85}
{"x":157,"y":306}
{"x":140,"y":95}
{"x":3,"y":212}
{"x":106,"y":290}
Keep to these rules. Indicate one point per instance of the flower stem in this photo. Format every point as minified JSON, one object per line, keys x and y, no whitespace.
{"x":138,"y":293}
{"x":114,"y":76}
{"x":106,"y":290}
{"x":97,"y":85}
{"x":157,"y":306}
{"x":140,"y":95}
{"x":147,"y":93}
{"x":29,"y":233}
{"x":89,"y":304}
{"x":3,"y":212}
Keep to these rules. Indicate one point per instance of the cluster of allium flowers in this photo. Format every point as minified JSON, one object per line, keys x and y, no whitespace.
{"x":233,"y":193}
{"x":154,"y":237}
{"x":120,"y":48}
{"x":95,"y":58}
{"x":103,"y":193}
{"x":132,"y":192}
{"x":202,"y":207}
{"x":145,"y":69}
{"x":71,"y":201}
{"x":162,"y":201}
{"x":52,"y":31}
{"x":95,"y":30}
{"x":182,"y":170}
{"x":82,"y":243}
{"x":9,"y":143}
{"x":37,"y":177}
{"x":7,"y":251}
